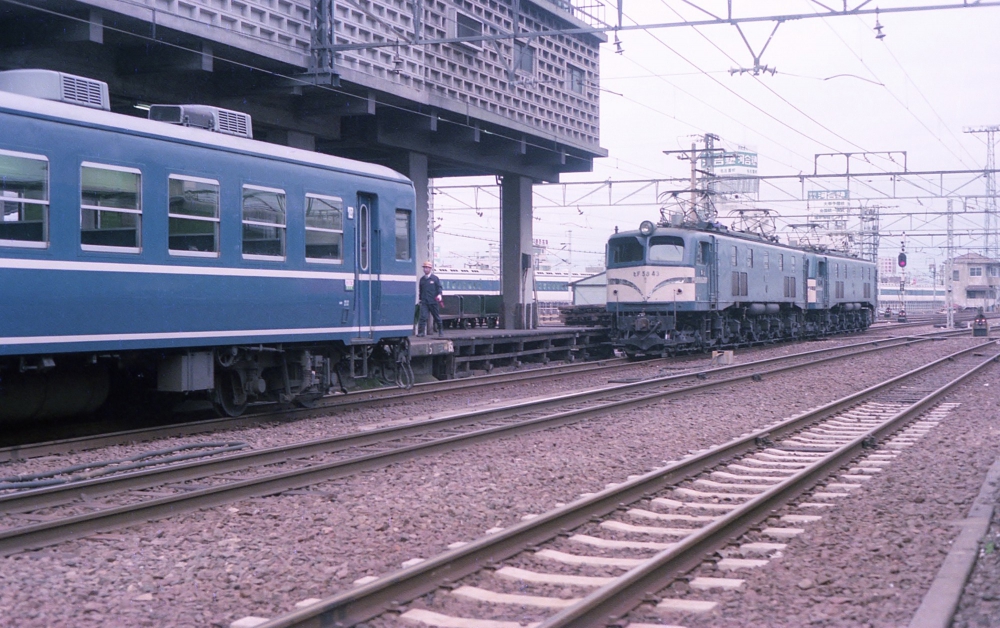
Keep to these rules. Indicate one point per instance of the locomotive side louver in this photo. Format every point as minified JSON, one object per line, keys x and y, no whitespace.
{"x":204,"y":117}
{"x":58,"y":86}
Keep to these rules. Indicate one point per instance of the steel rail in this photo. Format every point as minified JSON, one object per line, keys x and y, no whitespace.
{"x":332,"y":403}
{"x":147,"y":478}
{"x":625,"y":593}
{"x":46,"y":533}
{"x":369,"y":600}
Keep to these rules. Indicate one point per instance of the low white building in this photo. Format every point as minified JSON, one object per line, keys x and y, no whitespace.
{"x":975,"y":280}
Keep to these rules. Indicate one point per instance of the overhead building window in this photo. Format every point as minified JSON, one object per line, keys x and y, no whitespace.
{"x":110,"y":208}
{"x":24,"y":199}
{"x":462,"y":25}
{"x":577,"y":79}
{"x":524,"y":58}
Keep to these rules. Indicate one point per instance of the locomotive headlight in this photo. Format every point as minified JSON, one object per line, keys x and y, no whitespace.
{"x":646,"y":227}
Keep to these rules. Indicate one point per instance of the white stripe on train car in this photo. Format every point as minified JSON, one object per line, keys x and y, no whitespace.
{"x":162,"y":269}
{"x":31,"y":340}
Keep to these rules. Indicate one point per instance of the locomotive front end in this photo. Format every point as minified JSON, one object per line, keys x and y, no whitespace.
{"x":652,"y":280}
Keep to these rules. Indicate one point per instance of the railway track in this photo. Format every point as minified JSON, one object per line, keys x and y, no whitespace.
{"x":335,"y":403}
{"x":604,"y":559}
{"x":332,"y":404}
{"x":84,"y":506}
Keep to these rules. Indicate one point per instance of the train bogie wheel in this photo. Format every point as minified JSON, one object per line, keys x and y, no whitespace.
{"x":229,"y":397}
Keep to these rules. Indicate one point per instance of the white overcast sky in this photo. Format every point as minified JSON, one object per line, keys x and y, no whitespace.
{"x":933,"y":74}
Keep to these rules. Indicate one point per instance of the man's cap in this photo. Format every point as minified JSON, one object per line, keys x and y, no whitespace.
{"x":428,"y":265}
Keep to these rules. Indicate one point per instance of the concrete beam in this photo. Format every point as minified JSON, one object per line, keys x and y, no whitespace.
{"x":92,"y":30}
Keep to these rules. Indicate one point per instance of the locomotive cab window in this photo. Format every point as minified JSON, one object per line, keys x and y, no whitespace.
{"x":110,"y":208}
{"x":263,"y":223}
{"x":625,"y":250}
{"x":666,"y":249}
{"x":403,"y":231}
{"x":704,"y":253}
{"x":324,"y":229}
{"x":24,"y":199}
{"x":193,"y":216}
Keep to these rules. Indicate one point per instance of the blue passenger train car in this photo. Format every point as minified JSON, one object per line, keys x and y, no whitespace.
{"x":191,"y":259}
{"x":696,"y":287}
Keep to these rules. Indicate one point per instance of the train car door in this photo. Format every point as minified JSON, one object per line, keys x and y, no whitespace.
{"x":706,"y":270}
{"x":366,"y":266}
{"x":822,"y":294}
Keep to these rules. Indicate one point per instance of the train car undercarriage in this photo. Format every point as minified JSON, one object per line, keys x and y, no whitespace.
{"x":666,"y":333}
{"x":229,"y":377}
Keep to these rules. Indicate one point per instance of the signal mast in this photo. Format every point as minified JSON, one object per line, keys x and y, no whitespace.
{"x":901,"y":260}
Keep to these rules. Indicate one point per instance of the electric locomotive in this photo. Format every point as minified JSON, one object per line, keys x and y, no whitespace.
{"x":694,"y":287}
{"x":179,"y":255}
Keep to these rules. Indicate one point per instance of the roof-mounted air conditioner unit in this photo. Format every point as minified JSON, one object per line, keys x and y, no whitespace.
{"x":58,"y":86}
{"x":204,"y":117}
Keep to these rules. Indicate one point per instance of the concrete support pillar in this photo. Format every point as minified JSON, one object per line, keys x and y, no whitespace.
{"x":416,"y":169}
{"x":516,"y":266}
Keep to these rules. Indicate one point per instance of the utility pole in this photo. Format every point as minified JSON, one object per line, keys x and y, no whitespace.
{"x":949,"y":298}
{"x":990,"y":246}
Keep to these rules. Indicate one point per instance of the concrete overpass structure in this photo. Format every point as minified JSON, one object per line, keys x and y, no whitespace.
{"x":431,"y":88}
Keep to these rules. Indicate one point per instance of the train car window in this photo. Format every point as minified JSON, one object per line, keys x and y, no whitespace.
{"x":625,"y":250}
{"x":24,"y":199}
{"x":749,"y":258}
{"x":781,"y":261}
{"x":110,"y":208}
{"x":551,"y":286}
{"x":324,"y":229}
{"x":791,"y":261}
{"x":704,"y":253}
{"x":403,"y":232}
{"x":364,"y":227}
{"x":666,"y":249}
{"x":767,"y":260}
{"x":193,"y":215}
{"x":736,"y":256}
{"x":263,"y":223}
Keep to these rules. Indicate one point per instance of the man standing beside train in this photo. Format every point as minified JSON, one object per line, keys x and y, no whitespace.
{"x":430,"y":301}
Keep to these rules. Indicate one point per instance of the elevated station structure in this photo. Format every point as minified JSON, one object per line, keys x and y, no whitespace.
{"x":431,"y":88}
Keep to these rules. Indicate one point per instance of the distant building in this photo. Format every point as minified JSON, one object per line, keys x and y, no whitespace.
{"x":975,"y":279}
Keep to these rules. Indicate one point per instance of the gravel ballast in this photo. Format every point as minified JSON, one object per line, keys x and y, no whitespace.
{"x":261,"y":556}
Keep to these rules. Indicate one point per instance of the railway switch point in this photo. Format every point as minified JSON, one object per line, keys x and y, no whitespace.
{"x":307,"y":602}
{"x":248,"y":622}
